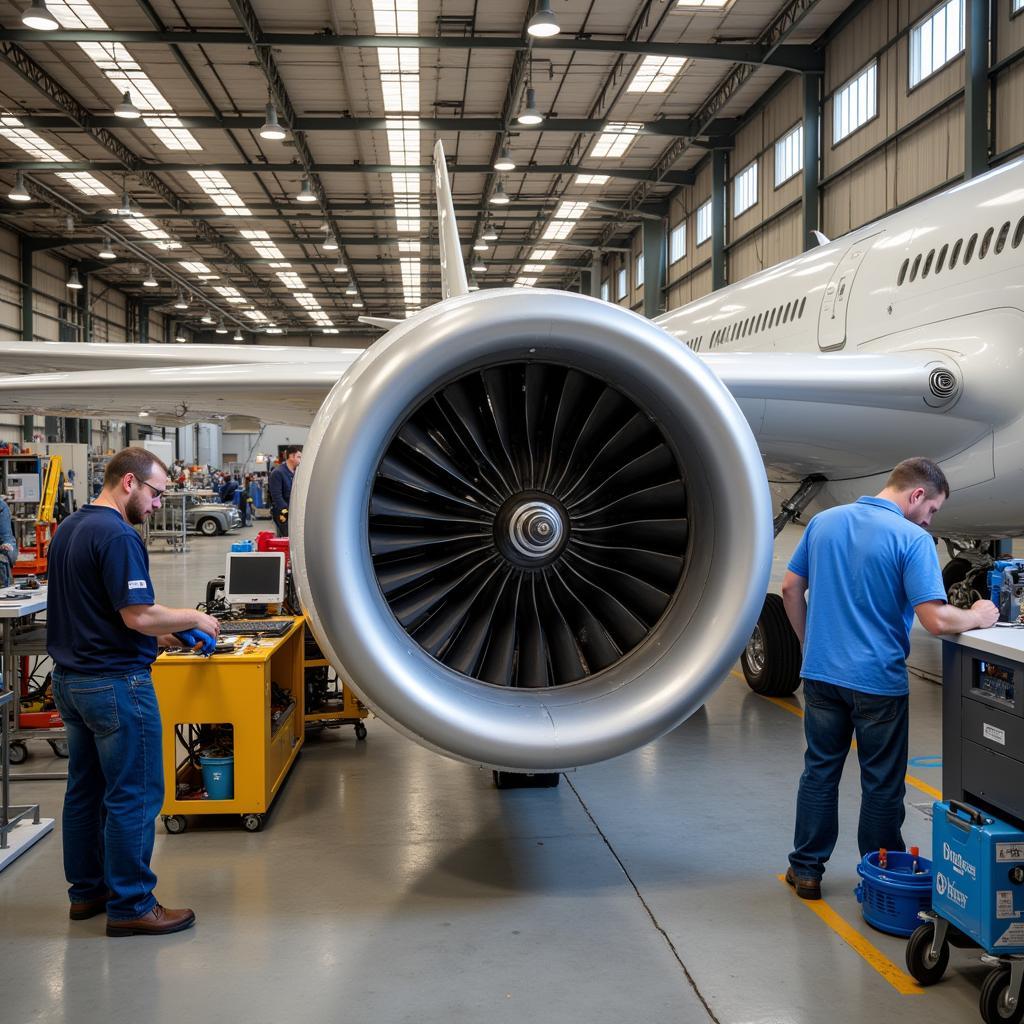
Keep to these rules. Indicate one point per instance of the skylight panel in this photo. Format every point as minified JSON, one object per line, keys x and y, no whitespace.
{"x":233,"y":295}
{"x":193,"y":268}
{"x":255,"y":314}
{"x":408,"y":245}
{"x":535,"y":268}
{"x":569,"y":210}
{"x":396,"y":17}
{"x":321,"y":318}
{"x":75,"y":14}
{"x":408,"y":183}
{"x":656,"y":74}
{"x":24,"y":138}
{"x":403,"y":141}
{"x":306,"y":299}
{"x":170,"y":132}
{"x":146,"y":228}
{"x":525,"y":282}
{"x":216,"y":186}
{"x":290,"y":279}
{"x":264,"y":247}
{"x":616,"y":139}
{"x":543,"y":254}
{"x":711,"y":4}
{"x":407,"y":215}
{"x":85,"y":183}
{"x":400,"y":79}
{"x":557,"y":230}
{"x":277,"y":264}
{"x":411,"y":280}
{"x":591,"y":179}
{"x":168,"y":244}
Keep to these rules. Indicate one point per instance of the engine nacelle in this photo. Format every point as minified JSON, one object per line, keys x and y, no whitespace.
{"x":531,"y":530}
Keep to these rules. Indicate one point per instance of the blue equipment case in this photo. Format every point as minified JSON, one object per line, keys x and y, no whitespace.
{"x":978,"y":876}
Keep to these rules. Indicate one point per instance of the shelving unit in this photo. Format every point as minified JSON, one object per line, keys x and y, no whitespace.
{"x":232,"y":689}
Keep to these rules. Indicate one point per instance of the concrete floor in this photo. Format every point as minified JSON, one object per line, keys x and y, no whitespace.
{"x":393,"y":885}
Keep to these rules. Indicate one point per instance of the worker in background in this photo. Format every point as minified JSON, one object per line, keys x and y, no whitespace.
{"x":281,"y":480}
{"x":228,"y":490}
{"x":857,"y":578}
{"x":103,"y":630}
{"x":8,"y":545}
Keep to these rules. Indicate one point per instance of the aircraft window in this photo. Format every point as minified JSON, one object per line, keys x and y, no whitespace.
{"x":969,"y":251}
{"x":941,"y":259}
{"x":903,"y":272}
{"x":913,"y":269}
{"x":1018,"y":235}
{"x":1004,"y":232}
{"x":803,"y":302}
{"x":985,"y":243}
{"x":955,"y":253}
{"x":928,"y":264}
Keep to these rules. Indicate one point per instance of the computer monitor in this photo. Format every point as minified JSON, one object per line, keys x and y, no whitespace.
{"x":254,"y":577}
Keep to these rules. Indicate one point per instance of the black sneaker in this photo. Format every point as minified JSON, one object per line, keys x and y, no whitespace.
{"x":806,"y":888}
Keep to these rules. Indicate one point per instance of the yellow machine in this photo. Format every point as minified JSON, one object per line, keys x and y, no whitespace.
{"x":35,"y":562}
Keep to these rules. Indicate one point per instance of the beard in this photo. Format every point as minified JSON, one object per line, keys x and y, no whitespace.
{"x":134,"y":511}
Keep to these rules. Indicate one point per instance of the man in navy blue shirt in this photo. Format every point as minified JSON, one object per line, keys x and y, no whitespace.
{"x":866,"y":569}
{"x":103,"y":630}
{"x":281,"y":480}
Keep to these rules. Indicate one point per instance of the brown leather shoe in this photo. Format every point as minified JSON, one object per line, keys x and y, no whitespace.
{"x":806,"y":888}
{"x":159,"y":921}
{"x":90,"y":908}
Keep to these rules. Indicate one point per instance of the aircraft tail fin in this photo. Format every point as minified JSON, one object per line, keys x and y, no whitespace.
{"x":453,"y":270}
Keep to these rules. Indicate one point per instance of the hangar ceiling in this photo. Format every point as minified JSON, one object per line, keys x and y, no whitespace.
{"x":192,"y":194}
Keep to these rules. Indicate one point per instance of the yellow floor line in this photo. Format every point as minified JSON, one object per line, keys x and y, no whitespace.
{"x":899,"y":979}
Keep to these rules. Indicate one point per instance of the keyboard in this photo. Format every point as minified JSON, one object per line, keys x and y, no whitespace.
{"x":250,"y":627}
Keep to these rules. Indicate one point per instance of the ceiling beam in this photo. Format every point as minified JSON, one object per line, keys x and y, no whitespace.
{"x":793,"y":58}
{"x":424,"y":170}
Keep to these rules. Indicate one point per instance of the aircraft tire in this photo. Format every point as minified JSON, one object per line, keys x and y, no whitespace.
{"x":771,"y":659}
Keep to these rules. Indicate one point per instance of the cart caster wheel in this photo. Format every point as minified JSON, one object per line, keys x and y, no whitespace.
{"x":923,"y":967}
{"x":59,"y":747}
{"x":18,"y":752}
{"x":252,"y":822}
{"x":175,"y":823}
{"x":360,"y":731}
{"x":994,"y":995}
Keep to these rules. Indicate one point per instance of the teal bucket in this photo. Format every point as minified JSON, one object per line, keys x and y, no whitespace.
{"x":218,"y":775}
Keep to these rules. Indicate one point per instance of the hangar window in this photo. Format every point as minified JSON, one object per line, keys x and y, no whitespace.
{"x":936,"y":40}
{"x":903,"y":272}
{"x":604,"y":290}
{"x":985,"y":243}
{"x":639,"y":278}
{"x":803,"y":302}
{"x":677,"y":242}
{"x":1018,"y":235}
{"x":1004,"y":233}
{"x":914,"y":267}
{"x":928,"y":264}
{"x":704,"y":222}
{"x":1017,"y":7}
{"x":942,"y":258}
{"x":789,"y":155}
{"x":744,"y":189}
{"x":955,"y":254}
{"x":855,"y":103}
{"x":621,"y":283}
{"x":969,"y":251}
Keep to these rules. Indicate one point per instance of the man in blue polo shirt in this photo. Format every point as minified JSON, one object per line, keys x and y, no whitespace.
{"x":866,"y":569}
{"x":103,"y":630}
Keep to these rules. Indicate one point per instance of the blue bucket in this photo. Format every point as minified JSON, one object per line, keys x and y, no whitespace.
{"x":218,"y":775}
{"x":892,"y":897}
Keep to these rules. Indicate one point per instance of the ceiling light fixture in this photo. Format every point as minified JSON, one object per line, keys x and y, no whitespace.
{"x":126,"y":109}
{"x":499,"y":197}
{"x":272,"y":128}
{"x":339,"y":267}
{"x":480,"y":245}
{"x":180,"y":336}
{"x":74,"y":283}
{"x":208,"y":318}
{"x":473,"y":286}
{"x":125,"y":209}
{"x":330,"y":243}
{"x":150,"y":281}
{"x":107,"y":249}
{"x":351,"y":290}
{"x":504,"y":161}
{"x":490,"y":233}
{"x":358,"y":304}
{"x":221,"y":327}
{"x":182,"y":302}
{"x":530,"y":115}
{"x":543,"y":24}
{"x":19,"y":194}
{"x":478,"y":267}
{"x":305,"y":193}
{"x":39,"y":17}
{"x":238,"y":336}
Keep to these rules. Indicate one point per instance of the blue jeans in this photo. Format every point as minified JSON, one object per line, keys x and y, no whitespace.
{"x":833,"y":715}
{"x":115,"y":788}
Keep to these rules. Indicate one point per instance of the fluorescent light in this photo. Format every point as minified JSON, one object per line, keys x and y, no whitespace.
{"x":305,"y":193}
{"x":543,"y":24}
{"x":73,"y":282}
{"x":271,"y":128}
{"x":107,"y":250}
{"x":504,"y":161}
{"x":19,"y":194}
{"x":126,"y":109}
{"x":499,"y":197}
{"x":530,"y":115}
{"x":39,"y":17}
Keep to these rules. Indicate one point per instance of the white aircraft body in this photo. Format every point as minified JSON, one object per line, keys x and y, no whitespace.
{"x":433,"y":511}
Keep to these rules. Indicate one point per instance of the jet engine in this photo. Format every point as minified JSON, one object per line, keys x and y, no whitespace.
{"x":531,"y":530}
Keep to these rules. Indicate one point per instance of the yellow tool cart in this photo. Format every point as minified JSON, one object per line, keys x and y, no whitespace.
{"x":232,"y":726}
{"x":329,"y":703}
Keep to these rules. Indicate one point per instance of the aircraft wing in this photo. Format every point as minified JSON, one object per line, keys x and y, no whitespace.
{"x":286,"y":393}
{"x":41,"y":356}
{"x":846,"y":415}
